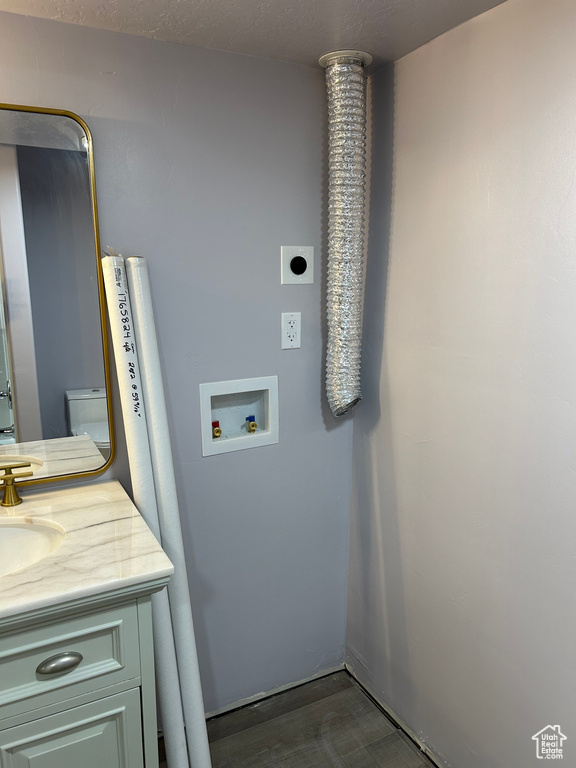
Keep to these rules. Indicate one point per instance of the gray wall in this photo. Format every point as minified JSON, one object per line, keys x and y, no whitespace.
{"x":462,"y":571}
{"x":57,"y":214}
{"x":206,"y":164}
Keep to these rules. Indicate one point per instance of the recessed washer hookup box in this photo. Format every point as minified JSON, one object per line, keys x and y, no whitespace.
{"x":238,"y":414}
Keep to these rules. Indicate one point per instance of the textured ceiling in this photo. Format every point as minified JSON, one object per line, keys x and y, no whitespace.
{"x":291,"y":30}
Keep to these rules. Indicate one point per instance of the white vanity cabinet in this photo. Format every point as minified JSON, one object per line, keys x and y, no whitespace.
{"x":104,"y":734}
{"x":99,"y":711}
{"x":76,"y":653}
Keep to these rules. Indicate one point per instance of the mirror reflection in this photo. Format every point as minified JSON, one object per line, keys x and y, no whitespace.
{"x":53,"y":378}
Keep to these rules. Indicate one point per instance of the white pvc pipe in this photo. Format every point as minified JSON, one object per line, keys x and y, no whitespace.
{"x":144,"y":493}
{"x":131,"y":391}
{"x":159,"y":439}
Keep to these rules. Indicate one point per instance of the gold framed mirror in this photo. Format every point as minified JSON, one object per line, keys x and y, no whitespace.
{"x":55,"y":396}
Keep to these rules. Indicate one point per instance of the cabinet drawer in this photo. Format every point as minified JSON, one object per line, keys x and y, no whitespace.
{"x":107,"y":642}
{"x":103,"y":734}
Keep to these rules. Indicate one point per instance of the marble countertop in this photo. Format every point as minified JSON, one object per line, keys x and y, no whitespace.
{"x":59,"y":456}
{"x":107,"y":546}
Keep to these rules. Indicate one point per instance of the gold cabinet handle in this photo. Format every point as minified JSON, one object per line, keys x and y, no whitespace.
{"x":62,"y":662}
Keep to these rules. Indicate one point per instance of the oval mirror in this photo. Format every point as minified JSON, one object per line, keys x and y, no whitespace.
{"x":55,"y":406}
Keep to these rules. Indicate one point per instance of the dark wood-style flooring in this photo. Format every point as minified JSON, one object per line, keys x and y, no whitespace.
{"x":327,"y":723}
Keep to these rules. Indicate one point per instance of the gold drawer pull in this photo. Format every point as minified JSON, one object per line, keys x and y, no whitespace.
{"x":62,"y":662}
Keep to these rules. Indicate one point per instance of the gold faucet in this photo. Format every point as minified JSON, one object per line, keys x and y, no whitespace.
{"x":11,"y":497}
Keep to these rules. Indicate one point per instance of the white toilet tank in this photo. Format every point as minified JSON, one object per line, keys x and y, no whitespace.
{"x":87,"y":413}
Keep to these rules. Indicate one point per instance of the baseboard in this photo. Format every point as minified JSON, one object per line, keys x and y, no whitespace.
{"x":266,"y":694}
{"x":396,"y":719}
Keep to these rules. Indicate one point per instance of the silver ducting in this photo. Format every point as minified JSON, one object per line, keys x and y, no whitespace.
{"x":346,"y":87}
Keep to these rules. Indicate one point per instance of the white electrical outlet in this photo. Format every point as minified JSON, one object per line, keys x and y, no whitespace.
{"x":291,"y":330}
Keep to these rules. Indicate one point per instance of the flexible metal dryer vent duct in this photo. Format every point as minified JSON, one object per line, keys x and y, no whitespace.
{"x":346,"y":87}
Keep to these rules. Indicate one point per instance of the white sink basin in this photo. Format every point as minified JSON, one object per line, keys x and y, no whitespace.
{"x":25,"y":541}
